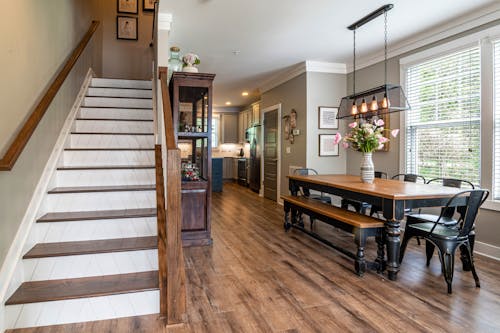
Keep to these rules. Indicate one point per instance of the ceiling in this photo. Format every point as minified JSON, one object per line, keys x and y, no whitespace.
{"x":246,"y":43}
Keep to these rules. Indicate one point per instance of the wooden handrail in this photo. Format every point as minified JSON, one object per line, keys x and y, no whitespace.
{"x":172,"y":273}
{"x":16,"y":147}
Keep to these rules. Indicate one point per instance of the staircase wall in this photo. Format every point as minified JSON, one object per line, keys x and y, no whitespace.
{"x":129,"y":59}
{"x":41,"y":35}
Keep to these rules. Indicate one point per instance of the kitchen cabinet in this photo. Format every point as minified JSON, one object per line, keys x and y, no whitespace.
{"x":255,"y":114}
{"x":229,"y":128}
{"x":228,"y":168}
{"x":217,"y":174}
{"x":191,"y":100}
{"x":235,"y":168}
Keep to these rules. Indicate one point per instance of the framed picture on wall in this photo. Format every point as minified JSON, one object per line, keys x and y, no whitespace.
{"x":327,"y":117}
{"x":326,"y":145}
{"x":128,"y":6}
{"x":148,"y":5}
{"x":126,"y":27}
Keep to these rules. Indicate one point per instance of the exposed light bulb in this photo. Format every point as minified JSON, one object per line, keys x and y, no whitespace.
{"x":364,"y":107}
{"x":385,"y":102}
{"x":374,"y":104}
{"x":354,"y":109}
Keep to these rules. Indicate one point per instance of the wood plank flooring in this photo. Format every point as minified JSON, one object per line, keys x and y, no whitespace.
{"x":257,"y":278}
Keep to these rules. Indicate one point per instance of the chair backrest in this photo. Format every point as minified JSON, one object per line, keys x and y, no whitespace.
{"x":380,"y":174}
{"x":409,"y":177}
{"x":475,"y":198}
{"x":452,"y":182}
{"x":305,"y":172}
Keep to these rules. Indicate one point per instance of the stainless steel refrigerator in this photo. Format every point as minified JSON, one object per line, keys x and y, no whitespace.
{"x":253,"y":136}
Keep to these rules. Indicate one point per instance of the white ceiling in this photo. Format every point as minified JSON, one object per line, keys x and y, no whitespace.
{"x":273,"y":35}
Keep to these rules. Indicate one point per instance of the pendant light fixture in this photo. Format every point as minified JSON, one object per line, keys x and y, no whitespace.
{"x":384,"y":99}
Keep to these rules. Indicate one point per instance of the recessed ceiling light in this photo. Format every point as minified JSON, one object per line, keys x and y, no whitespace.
{"x":228,"y":103}
{"x":245,"y":93}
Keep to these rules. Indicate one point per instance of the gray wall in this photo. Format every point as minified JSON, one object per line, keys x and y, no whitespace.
{"x":487,"y":226}
{"x":129,"y":59}
{"x":323,"y":89}
{"x":291,"y":95}
{"x":44,"y":34}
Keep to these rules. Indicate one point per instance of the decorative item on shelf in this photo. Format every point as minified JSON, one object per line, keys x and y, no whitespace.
{"x":190,"y":172}
{"x":377,"y":101}
{"x":174,"y":63}
{"x":366,"y":137}
{"x":190,"y":60}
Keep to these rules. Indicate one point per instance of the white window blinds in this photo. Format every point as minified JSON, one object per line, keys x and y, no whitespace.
{"x":443,"y":125}
{"x":496,"y":151}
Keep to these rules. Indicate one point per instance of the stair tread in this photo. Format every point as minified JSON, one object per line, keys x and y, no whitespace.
{"x":116,"y":188}
{"x":106,"y":167}
{"x":45,"y":250}
{"x":115,"y":107}
{"x":97,"y":215}
{"x":144,"y":323}
{"x":104,"y":149}
{"x":114,"y":119}
{"x":111,"y":133}
{"x":125,"y":97}
{"x":63,"y":289}
{"x":124,"y":88}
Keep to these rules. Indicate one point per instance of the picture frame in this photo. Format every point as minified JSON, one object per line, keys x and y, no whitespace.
{"x":126,"y":27}
{"x":127,"y":6}
{"x":148,"y":5}
{"x":387,"y":124}
{"x":327,"y":117}
{"x":326,"y":145}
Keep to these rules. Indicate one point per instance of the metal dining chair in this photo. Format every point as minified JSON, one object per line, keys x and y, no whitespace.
{"x":448,"y":237}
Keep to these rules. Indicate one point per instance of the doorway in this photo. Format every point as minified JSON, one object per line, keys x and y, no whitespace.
{"x":271,"y":162}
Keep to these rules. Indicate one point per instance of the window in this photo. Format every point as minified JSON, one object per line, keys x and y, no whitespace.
{"x":443,"y":125}
{"x":496,"y":150}
{"x":215,"y":131}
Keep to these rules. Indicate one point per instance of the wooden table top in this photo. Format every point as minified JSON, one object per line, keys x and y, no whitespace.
{"x":384,"y":188}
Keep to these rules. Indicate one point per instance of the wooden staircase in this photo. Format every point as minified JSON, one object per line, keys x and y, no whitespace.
{"x":92,"y":253}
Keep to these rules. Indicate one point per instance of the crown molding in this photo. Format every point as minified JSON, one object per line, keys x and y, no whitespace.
{"x":486,"y":15}
{"x":300,"y":68}
{"x":164,"y":21}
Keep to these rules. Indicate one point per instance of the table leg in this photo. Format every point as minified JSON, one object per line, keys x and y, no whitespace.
{"x":287,"y":224}
{"x":393,"y":239}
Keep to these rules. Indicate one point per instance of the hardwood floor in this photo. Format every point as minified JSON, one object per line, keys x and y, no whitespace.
{"x":257,"y":278}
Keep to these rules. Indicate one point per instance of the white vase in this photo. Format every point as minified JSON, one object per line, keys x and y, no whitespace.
{"x":367,"y":169}
{"x":190,"y":69}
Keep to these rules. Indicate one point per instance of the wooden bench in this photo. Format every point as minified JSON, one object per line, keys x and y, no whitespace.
{"x":361,"y":226}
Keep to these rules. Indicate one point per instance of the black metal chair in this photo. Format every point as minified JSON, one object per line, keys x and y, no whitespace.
{"x":360,"y":206}
{"x":448,"y":237}
{"x":320,"y":197}
{"x":409,"y":177}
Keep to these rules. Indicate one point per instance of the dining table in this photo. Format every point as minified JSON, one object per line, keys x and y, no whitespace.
{"x":392,"y":197}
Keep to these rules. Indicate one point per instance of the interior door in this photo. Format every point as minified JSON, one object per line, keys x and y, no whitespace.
{"x":271,"y":155}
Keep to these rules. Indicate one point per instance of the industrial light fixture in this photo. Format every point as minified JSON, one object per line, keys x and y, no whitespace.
{"x":385,"y":99}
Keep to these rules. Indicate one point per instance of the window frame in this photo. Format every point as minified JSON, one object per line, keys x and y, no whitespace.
{"x":484,"y":39}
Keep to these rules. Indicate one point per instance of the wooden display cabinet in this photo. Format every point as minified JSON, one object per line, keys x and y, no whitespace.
{"x":191,"y":100}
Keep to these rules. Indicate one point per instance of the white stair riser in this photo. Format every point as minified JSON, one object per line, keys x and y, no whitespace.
{"x":75,"y":202}
{"x":78,"y":266}
{"x":52,"y":232}
{"x":115,"y":92}
{"x":82,"y":309}
{"x":110,"y":126}
{"x":108,"y":157}
{"x":117,"y":102}
{"x":105,"y":113}
{"x":111,"y":141}
{"x":118,"y":83}
{"x":66,"y":178}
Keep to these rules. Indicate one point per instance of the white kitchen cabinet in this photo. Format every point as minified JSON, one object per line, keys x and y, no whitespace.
{"x":229,"y":128}
{"x":227,"y":172}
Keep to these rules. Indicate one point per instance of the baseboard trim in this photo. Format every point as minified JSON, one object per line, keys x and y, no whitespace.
{"x":14,"y":255}
{"x":487,"y":250}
